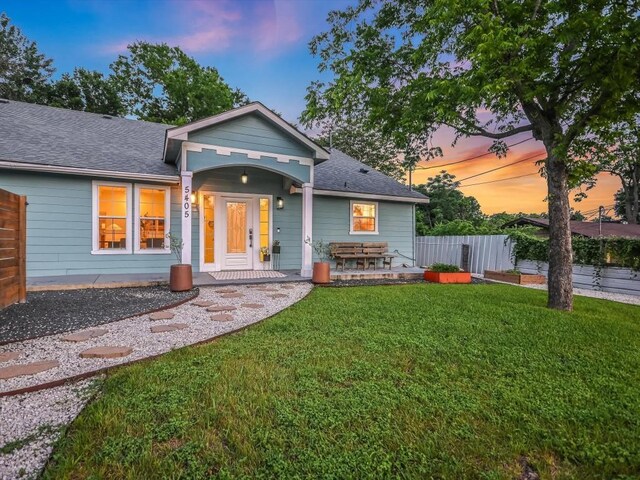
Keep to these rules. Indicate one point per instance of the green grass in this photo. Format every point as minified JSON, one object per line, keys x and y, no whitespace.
{"x":411,"y":381}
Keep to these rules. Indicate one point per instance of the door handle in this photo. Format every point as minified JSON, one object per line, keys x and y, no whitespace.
{"x":251,"y":238}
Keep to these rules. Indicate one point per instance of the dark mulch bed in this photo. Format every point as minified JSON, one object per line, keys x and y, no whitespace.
{"x":48,"y":313}
{"x":384,"y":281}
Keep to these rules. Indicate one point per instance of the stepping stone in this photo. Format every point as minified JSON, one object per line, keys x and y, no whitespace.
{"x":287,"y":287}
{"x":221,"y":308}
{"x":203,"y":303}
{"x":27,"y":369}
{"x":252,"y":305}
{"x":106,"y":352}
{"x":279,"y":295}
{"x":7,"y":356}
{"x":232,"y":295}
{"x":161,"y":316}
{"x":222,"y":317}
{"x":84,"y":336}
{"x":170,"y":327}
{"x":226,"y":290}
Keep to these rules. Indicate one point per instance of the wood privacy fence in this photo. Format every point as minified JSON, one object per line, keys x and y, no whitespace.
{"x":486,"y":252}
{"x":13,"y":235}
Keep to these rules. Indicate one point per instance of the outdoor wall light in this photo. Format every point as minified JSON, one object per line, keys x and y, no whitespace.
{"x":244,"y":178}
{"x":194,"y":198}
{"x":279,"y":203}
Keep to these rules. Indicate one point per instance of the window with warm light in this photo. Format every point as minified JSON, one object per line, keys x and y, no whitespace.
{"x":111,"y":233}
{"x":152,"y":218}
{"x":264,"y":224}
{"x":364,"y":218}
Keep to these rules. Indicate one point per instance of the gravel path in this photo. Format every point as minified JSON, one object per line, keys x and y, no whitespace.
{"x":136,"y":332}
{"x":48,"y":313}
{"x":615,"y":297}
{"x":31,"y":423}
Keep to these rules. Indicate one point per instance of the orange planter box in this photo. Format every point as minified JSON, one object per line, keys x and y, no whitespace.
{"x":517,"y":278}
{"x":443,"y":277}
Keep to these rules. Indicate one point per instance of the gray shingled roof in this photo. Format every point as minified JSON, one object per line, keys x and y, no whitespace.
{"x":342,"y":173}
{"x":36,"y":134}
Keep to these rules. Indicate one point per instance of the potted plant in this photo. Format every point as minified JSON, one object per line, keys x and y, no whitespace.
{"x":180,"y":276}
{"x":264,"y":254}
{"x":275,"y":248}
{"x":514,"y":276}
{"x":446,"y":273}
{"x":321,"y":269}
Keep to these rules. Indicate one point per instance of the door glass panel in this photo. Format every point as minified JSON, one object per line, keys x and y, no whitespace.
{"x":264,"y":223}
{"x":208,"y":206}
{"x":236,"y":227}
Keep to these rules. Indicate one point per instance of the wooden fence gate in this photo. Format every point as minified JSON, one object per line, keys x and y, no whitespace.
{"x":13,"y":239}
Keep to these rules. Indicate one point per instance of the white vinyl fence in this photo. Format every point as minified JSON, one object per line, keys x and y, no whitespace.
{"x":611,"y":279}
{"x":493,"y":252}
{"x":487,"y":252}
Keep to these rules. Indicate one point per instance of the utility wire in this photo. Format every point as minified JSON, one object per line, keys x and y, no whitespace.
{"x":499,"y":180}
{"x":471,"y":158}
{"x":501,"y":167}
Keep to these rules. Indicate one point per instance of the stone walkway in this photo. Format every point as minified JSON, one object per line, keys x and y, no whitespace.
{"x":216,"y":311}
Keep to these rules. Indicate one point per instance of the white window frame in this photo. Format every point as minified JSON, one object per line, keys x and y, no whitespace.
{"x":95,"y":221}
{"x":377,"y":217}
{"x":136,"y":220}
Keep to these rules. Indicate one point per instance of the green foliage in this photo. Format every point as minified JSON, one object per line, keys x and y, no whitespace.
{"x":621,"y":252}
{"x":413,"y":381}
{"x":463,"y":227}
{"x":159,"y":83}
{"x":444,"y":268}
{"x":175,"y":245}
{"x":85,"y":90}
{"x":446,"y":202}
{"x":24,"y":71}
{"x":365,"y":144}
{"x":321,"y":248}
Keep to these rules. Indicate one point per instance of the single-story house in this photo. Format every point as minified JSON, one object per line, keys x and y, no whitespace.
{"x":103,"y":192}
{"x":581,"y":229}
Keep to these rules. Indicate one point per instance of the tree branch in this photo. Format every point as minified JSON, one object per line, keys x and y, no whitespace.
{"x":474,"y":130}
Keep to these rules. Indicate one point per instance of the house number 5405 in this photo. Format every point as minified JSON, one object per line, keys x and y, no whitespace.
{"x":187,"y":201}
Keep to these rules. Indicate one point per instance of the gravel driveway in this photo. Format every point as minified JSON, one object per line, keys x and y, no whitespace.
{"x":48,"y":313}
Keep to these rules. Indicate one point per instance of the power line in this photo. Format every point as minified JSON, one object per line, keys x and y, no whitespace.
{"x":500,"y":167}
{"x":499,"y":180}
{"x":471,"y":158}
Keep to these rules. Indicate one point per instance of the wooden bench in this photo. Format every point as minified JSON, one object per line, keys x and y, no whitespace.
{"x":365,"y":254}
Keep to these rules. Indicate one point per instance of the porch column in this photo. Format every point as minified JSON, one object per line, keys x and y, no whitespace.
{"x":307,"y":227}
{"x":185,"y":182}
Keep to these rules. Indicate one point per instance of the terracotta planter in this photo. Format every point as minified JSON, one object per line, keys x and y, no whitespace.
{"x":444,"y":277}
{"x":517,"y":278}
{"x":321,"y":272}
{"x":180,"y":278}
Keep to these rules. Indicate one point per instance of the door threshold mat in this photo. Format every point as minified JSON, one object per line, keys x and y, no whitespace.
{"x":246,"y":274}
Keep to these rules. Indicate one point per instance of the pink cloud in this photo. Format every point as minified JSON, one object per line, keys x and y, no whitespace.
{"x":203,"y":26}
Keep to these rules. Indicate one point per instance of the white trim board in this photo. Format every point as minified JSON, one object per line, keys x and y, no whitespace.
{"x":34,"y":167}
{"x":253,"y":154}
{"x":181,"y":133}
{"x":367,"y":196}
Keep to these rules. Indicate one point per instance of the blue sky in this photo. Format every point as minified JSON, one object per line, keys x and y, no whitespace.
{"x":261,"y":47}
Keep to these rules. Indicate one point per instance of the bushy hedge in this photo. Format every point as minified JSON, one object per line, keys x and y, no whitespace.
{"x":616,"y":251}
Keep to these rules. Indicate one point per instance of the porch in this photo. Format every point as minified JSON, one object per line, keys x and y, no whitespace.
{"x":205,"y":279}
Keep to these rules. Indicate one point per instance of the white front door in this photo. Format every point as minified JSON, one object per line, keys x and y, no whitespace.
{"x":239,"y":236}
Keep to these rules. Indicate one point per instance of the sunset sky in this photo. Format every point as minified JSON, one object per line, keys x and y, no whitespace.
{"x":261,"y":47}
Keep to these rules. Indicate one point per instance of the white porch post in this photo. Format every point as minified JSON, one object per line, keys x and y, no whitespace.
{"x":185,"y":183}
{"x":307,"y":227}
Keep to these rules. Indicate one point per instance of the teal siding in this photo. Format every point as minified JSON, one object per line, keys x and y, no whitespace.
{"x":209,"y":159}
{"x":289,"y":219}
{"x":59,"y":227}
{"x":395,"y":224}
{"x":251,"y":132}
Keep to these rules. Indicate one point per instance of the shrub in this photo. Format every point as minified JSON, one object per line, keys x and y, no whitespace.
{"x":444,"y":268}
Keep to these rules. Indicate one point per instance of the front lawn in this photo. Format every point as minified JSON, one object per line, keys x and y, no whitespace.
{"x":412,"y":381}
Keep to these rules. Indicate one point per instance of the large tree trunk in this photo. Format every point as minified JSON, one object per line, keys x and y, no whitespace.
{"x":560,"y":253}
{"x":635,"y":199}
